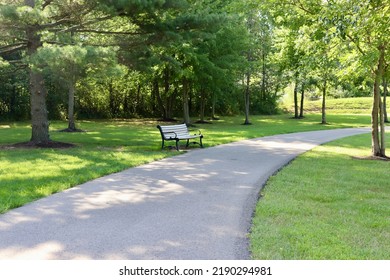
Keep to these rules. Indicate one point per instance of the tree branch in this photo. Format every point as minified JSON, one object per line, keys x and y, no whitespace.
{"x":12,"y":48}
{"x":356,"y":44}
{"x":46,"y":3}
{"x":108,"y":32}
{"x":80,"y":25}
{"x":299,"y":5}
{"x":55,"y":24}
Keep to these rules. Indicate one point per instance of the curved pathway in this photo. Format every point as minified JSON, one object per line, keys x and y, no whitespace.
{"x":194,"y":206}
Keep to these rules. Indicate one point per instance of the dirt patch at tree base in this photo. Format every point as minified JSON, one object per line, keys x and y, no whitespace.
{"x":372,"y":158}
{"x":203,"y":122}
{"x":32,"y":145}
{"x":72,"y":130}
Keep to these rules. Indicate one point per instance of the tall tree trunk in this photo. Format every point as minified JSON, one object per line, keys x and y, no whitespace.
{"x":385,"y":92}
{"x":377,"y":136}
{"x":114,"y":108}
{"x":186,"y":107}
{"x":39,"y":116}
{"x":302,"y":101}
{"x":214,"y":101}
{"x":171,"y":102}
{"x":323,"y":109}
{"x":38,"y":92}
{"x":168,"y":97}
{"x":296,"y":116}
{"x":264,"y":76}
{"x":127,"y":111}
{"x":12,"y":101}
{"x":138,"y":104}
{"x":71,"y":96}
{"x":202,"y":103}
{"x":246,"y":97}
{"x":382,"y":126}
{"x":376,"y":149}
{"x":160,"y":102}
{"x":190,"y":95}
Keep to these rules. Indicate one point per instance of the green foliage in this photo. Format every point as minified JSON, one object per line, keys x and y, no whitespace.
{"x":132,"y":7}
{"x":68,"y":64}
{"x":200,"y":41}
{"x":14,"y":96}
{"x":117,"y":97}
{"x":210,"y":44}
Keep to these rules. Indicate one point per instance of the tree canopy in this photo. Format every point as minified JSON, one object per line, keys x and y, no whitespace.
{"x":187,"y":58}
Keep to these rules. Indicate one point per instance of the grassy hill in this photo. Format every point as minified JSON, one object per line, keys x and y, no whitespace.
{"x":355,"y":105}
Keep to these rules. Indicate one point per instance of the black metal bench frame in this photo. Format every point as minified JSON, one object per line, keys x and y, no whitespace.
{"x":176,"y":133}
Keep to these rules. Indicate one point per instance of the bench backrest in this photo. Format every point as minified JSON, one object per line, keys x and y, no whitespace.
{"x":179,"y":129}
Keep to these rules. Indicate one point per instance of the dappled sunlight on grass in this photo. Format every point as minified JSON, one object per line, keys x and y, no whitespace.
{"x":326,"y":151}
{"x":109,"y":146}
{"x":28,"y":176}
{"x":354,"y":105}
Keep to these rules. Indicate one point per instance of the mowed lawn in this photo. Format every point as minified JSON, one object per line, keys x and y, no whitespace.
{"x":111,"y":146}
{"x":326,"y":205}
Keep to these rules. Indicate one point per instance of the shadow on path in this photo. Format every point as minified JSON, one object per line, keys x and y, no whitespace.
{"x":194,"y":206}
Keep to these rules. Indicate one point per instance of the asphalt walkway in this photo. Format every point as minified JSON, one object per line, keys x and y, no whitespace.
{"x":197,"y":205}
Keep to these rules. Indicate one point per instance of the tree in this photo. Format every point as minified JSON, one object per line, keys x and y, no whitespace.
{"x":220,"y":63}
{"x":24,"y":25}
{"x":292,"y":59}
{"x":361,"y":24}
{"x":321,"y":47}
{"x":30,"y":24}
{"x":365,"y":25}
{"x":292,"y":52}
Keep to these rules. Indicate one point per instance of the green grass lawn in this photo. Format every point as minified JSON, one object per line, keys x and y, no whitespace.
{"x":326,"y":205}
{"x":105,"y":147}
{"x":112,"y":146}
{"x":356,"y":105}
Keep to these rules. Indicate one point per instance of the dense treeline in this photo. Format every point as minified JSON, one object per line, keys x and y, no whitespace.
{"x":187,"y":59}
{"x":136,"y":59}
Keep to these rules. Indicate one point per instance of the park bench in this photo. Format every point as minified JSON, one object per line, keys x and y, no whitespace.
{"x":176,"y":133}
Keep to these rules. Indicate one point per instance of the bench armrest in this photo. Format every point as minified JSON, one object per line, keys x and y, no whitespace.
{"x":170,"y":132}
{"x":199,"y":132}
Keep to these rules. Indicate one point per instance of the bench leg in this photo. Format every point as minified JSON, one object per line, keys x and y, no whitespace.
{"x":200,"y":142}
{"x":177,"y":145}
